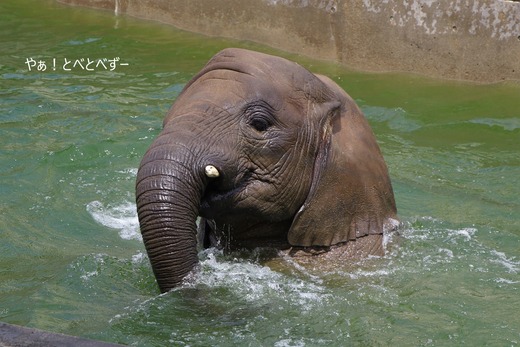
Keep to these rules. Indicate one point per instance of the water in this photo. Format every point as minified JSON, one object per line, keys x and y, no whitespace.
{"x":71,"y":257}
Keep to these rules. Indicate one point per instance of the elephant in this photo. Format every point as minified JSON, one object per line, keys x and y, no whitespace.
{"x":260,"y":152}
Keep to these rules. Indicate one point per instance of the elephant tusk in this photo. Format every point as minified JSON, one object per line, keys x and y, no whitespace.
{"x":211,"y":171}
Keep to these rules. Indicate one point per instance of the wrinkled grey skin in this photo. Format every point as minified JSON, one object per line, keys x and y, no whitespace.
{"x":298,"y":165}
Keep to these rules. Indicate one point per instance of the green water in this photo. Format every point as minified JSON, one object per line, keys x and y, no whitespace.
{"x":71,"y":259}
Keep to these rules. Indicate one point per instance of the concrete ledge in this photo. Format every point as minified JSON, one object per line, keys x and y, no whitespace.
{"x":17,"y":336}
{"x":477,"y":40}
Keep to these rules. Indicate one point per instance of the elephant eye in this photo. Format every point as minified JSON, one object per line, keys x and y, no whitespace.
{"x":260,"y":124}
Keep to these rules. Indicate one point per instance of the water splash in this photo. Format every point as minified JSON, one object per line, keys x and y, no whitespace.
{"x":510,"y":264}
{"x":122,"y":217}
{"x":241,"y":294}
{"x":255,"y":283}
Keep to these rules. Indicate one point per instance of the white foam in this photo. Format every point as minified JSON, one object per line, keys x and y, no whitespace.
{"x":467,"y":233}
{"x":121,"y":217}
{"x":138,"y":258}
{"x":506,"y":281}
{"x":360,"y":273}
{"x":132,"y":172}
{"x":87,"y":276}
{"x":89,"y":269}
{"x":510,"y":264}
{"x":447,"y":252}
{"x":255,"y":283}
{"x":289,"y":343}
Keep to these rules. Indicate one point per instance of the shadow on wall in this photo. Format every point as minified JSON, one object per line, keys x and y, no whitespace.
{"x":477,"y":40}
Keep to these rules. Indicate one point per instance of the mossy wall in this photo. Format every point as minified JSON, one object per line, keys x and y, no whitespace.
{"x":476,"y":40}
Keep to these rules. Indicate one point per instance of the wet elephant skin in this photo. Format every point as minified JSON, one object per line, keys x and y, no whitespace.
{"x":268,"y":154}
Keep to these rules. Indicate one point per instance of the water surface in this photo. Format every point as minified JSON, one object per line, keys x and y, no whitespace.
{"x":71,"y":258}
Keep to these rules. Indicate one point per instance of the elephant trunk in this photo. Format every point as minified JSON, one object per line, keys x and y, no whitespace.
{"x":169,"y":188}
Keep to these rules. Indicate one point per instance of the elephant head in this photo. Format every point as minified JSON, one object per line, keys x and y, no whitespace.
{"x":268,"y":154}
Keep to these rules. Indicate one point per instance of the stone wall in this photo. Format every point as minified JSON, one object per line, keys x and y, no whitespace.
{"x":477,"y":40}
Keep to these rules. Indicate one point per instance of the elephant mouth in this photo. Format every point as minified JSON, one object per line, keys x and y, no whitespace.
{"x":214,"y":202}
{"x":218,"y":200}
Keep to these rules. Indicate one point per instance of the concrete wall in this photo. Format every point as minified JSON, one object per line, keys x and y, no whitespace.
{"x":476,"y":40}
{"x":17,"y":336}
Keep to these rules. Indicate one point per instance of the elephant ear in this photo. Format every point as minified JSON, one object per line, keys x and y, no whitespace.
{"x":351,"y":195}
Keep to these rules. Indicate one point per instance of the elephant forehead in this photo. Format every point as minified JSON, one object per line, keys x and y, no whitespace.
{"x":228,"y":87}
{"x":216,"y":91}
{"x":285,"y":75}
{"x":258,"y":64}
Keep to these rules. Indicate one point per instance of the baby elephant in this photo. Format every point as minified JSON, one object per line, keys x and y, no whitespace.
{"x":269,"y":155}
